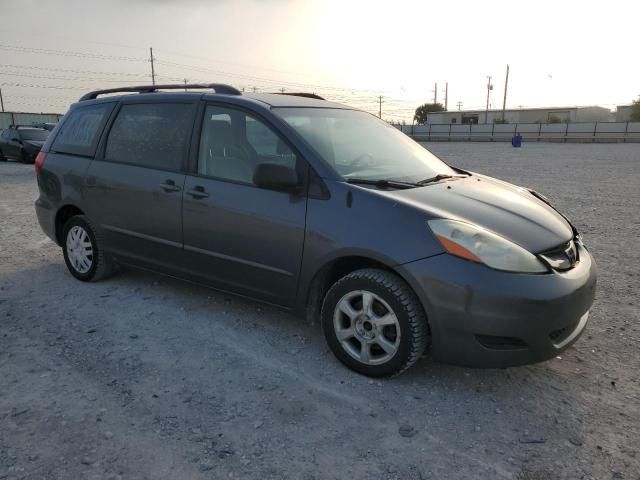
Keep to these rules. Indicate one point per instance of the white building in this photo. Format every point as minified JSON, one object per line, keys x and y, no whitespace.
{"x":623,"y":113}
{"x":524,"y":115}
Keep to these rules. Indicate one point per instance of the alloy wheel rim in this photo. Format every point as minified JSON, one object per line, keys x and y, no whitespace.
{"x":366,"y":327}
{"x":79,"y":249}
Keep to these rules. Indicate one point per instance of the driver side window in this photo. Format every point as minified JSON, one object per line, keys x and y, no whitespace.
{"x":233,"y":143}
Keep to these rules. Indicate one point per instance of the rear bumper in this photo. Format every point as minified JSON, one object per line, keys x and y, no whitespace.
{"x":46,"y":218}
{"x":481,"y":317}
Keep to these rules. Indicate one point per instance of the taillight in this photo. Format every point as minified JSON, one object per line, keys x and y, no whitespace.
{"x":40,"y":161}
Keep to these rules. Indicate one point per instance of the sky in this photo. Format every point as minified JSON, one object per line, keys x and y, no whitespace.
{"x":561,"y":53}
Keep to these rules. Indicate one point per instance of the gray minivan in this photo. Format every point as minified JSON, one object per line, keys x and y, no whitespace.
{"x":320,"y":209}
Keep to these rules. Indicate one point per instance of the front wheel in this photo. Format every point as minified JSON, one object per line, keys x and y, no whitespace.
{"x":83,"y":252}
{"x":374,"y":323}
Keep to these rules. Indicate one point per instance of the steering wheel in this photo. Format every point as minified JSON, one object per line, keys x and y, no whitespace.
{"x":363,"y":159}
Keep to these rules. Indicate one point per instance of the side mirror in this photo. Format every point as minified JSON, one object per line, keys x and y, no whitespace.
{"x":275,"y":177}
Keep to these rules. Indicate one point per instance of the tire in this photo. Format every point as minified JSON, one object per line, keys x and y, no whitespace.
{"x":25,"y":157}
{"x":78,"y":234}
{"x":2,"y":157}
{"x":382,"y":340}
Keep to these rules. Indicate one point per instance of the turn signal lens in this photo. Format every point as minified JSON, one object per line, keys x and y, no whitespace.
{"x":479,"y":245}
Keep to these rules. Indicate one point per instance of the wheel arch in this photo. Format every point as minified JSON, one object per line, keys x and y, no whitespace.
{"x":63,"y":215}
{"x":336,"y":268}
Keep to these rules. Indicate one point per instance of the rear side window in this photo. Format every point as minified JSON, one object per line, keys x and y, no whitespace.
{"x":151,"y":135}
{"x":80,"y":132}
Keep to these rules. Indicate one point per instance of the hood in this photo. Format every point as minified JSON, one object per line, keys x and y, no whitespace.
{"x":34,"y":143}
{"x":510,"y":211}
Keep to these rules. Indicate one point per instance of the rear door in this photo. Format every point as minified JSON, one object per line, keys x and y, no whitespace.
{"x":238,"y":236}
{"x":135,"y":187}
{"x":13,"y":144}
{"x":4,"y":139}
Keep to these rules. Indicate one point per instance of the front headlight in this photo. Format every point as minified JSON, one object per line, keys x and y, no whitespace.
{"x":479,"y":245}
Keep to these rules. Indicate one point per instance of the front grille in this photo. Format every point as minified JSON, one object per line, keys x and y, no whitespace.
{"x":562,"y":257}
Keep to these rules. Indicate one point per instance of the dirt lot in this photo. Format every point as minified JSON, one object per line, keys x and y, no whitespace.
{"x":141,"y":376}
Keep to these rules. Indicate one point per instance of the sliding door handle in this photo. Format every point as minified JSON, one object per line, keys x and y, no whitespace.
{"x":198,"y":193}
{"x":169,"y":186}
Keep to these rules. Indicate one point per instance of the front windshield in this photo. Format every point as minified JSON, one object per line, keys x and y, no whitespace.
{"x":358,"y":145}
{"x":34,"y":134}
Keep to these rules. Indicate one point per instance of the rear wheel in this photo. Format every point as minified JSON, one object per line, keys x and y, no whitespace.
{"x":83,"y":252}
{"x":374,"y":323}
{"x":25,"y":157}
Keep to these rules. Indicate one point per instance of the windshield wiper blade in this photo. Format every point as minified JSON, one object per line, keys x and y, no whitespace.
{"x":383,"y":183}
{"x":437,"y":178}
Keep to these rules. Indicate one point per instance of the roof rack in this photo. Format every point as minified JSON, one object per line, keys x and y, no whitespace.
{"x":216,"y":87}
{"x":301,"y":94}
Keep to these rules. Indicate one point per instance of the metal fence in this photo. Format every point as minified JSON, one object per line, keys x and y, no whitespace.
{"x":21,"y":118}
{"x":597,"y":132}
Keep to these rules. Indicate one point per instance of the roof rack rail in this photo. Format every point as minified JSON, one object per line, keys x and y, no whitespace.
{"x":216,"y":87}
{"x":301,"y":94}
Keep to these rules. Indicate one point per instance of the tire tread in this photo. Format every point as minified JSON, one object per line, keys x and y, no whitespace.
{"x":104,"y":265}
{"x":416,"y":318}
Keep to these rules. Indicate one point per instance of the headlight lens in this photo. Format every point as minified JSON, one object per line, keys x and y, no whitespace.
{"x":479,"y":245}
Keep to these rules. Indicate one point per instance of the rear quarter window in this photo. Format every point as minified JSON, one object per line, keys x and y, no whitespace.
{"x":80,"y":132}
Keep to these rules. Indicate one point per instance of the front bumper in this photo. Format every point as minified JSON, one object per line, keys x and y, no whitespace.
{"x":482,"y":317}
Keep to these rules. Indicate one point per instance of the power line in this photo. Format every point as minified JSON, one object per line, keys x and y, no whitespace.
{"x":31,"y":85}
{"x":262,"y":79}
{"x":350,"y":93}
{"x":70,"y":70}
{"x":48,"y":77}
{"x":69,"y":53}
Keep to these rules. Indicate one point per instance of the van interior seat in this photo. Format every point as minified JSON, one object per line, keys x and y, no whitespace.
{"x":224,"y":155}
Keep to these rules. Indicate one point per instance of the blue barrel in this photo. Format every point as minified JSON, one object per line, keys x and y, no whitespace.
{"x":516,"y":141}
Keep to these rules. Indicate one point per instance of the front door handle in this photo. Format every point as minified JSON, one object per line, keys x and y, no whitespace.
{"x":198,"y":193}
{"x":169,"y":186}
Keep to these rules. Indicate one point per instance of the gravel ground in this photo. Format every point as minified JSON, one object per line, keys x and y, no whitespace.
{"x":141,"y":376}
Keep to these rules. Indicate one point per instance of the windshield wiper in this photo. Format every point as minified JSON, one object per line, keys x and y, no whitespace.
{"x":437,"y":178}
{"x":383,"y":183}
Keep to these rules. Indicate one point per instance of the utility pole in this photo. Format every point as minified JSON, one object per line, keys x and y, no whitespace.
{"x":446,"y":96}
{"x":282,"y":90}
{"x":459,"y":104}
{"x":185,"y":84}
{"x":380,"y":106}
{"x":504,"y":101}
{"x":255,"y":89}
{"x":486,"y":111}
{"x":1,"y":101}
{"x":153,"y":72}
{"x":435,"y":94}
